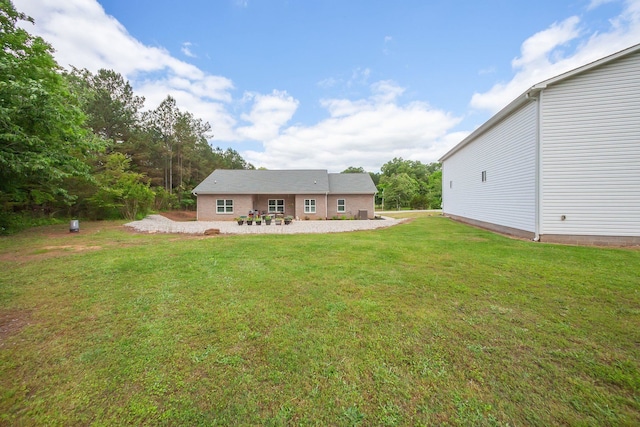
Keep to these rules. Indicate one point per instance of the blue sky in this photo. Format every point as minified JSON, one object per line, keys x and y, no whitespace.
{"x":335,"y":83}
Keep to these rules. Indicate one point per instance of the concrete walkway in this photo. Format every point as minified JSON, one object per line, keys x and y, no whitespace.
{"x":160,"y":224}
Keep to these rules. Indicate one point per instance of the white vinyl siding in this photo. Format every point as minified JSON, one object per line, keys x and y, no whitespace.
{"x":507,"y":155}
{"x":590,"y":148}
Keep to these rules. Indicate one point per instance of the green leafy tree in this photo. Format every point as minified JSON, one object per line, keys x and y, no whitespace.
{"x":435,"y":190}
{"x":120,"y":191}
{"x":42,"y":138}
{"x":428,"y":195}
{"x":353,"y":169}
{"x":112,"y":109}
{"x":181,"y":140}
{"x":230,"y":159}
{"x":192,"y":148}
{"x":398,"y":189}
{"x":162,"y":125}
{"x":415,"y":169}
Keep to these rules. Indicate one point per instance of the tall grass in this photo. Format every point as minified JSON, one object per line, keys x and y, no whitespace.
{"x":425,"y":323}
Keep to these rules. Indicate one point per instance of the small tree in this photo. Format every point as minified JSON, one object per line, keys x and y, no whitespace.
{"x":121,"y":191}
{"x":434,"y":194}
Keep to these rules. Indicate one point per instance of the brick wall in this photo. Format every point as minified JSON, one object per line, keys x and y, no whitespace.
{"x":242,"y":204}
{"x":321,"y":206}
{"x":262,"y":202}
{"x":326,"y":206}
{"x":353,"y":204}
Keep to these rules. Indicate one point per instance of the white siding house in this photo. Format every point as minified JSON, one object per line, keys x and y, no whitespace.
{"x":560,"y":163}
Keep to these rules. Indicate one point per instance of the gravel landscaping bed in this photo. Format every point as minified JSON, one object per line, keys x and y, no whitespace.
{"x":160,"y":224}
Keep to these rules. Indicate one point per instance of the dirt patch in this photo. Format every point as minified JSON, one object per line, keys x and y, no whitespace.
{"x":180,"y":215}
{"x":46,"y":252}
{"x":75,"y":248}
{"x":12,"y":322}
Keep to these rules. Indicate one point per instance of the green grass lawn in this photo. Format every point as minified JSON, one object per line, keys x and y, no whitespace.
{"x":426,"y":323}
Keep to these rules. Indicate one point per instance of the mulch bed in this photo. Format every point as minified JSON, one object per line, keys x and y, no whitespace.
{"x":180,"y":215}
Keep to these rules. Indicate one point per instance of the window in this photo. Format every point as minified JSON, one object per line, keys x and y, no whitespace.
{"x":309,"y":206}
{"x":484,"y":176}
{"x":276,"y":205}
{"x":224,"y":206}
{"x":342,"y":206}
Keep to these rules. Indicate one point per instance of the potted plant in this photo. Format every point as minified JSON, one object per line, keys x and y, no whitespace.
{"x":278,"y":221}
{"x":287,"y":220}
{"x":240,"y":220}
{"x":258,"y":220}
{"x":267,"y":219}
{"x":250,"y":220}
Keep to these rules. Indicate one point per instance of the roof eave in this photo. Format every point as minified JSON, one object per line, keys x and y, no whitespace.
{"x":532,"y":93}
{"x":249,"y":193}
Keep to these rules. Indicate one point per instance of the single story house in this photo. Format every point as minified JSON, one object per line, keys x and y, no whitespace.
{"x":306,"y":194}
{"x":561,"y":163}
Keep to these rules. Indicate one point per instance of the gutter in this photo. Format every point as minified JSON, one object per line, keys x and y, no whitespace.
{"x":535,"y":94}
{"x":531,"y":94}
{"x":326,"y":205}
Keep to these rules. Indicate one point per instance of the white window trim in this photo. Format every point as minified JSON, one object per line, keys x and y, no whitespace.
{"x":276,"y":206}
{"x":310,"y":207}
{"x":226,"y":204}
{"x":344,"y":206}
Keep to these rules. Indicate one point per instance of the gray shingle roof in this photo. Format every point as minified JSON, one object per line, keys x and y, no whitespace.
{"x":351,"y":183}
{"x":224,"y":181}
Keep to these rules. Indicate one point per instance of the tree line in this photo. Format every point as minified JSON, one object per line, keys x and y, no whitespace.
{"x":406,"y":184}
{"x":75,"y":143}
{"x":78,"y":144}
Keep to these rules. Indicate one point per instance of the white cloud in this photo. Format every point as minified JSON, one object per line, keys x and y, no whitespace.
{"x":536,"y":48}
{"x":365,"y":132}
{"x":328,"y":83}
{"x":268,"y":114}
{"x":359,"y":76}
{"x":549,"y":53}
{"x":488,"y":70}
{"x":186,"y":49}
{"x":84,"y":36}
{"x":387,"y":42}
{"x":597,"y":3}
{"x":386,"y":91}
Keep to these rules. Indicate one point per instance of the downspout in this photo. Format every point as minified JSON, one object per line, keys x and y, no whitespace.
{"x":326,"y":205}
{"x":197,"y":210}
{"x":536,"y":96}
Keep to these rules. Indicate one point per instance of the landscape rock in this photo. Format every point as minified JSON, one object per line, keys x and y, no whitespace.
{"x":160,"y":224}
